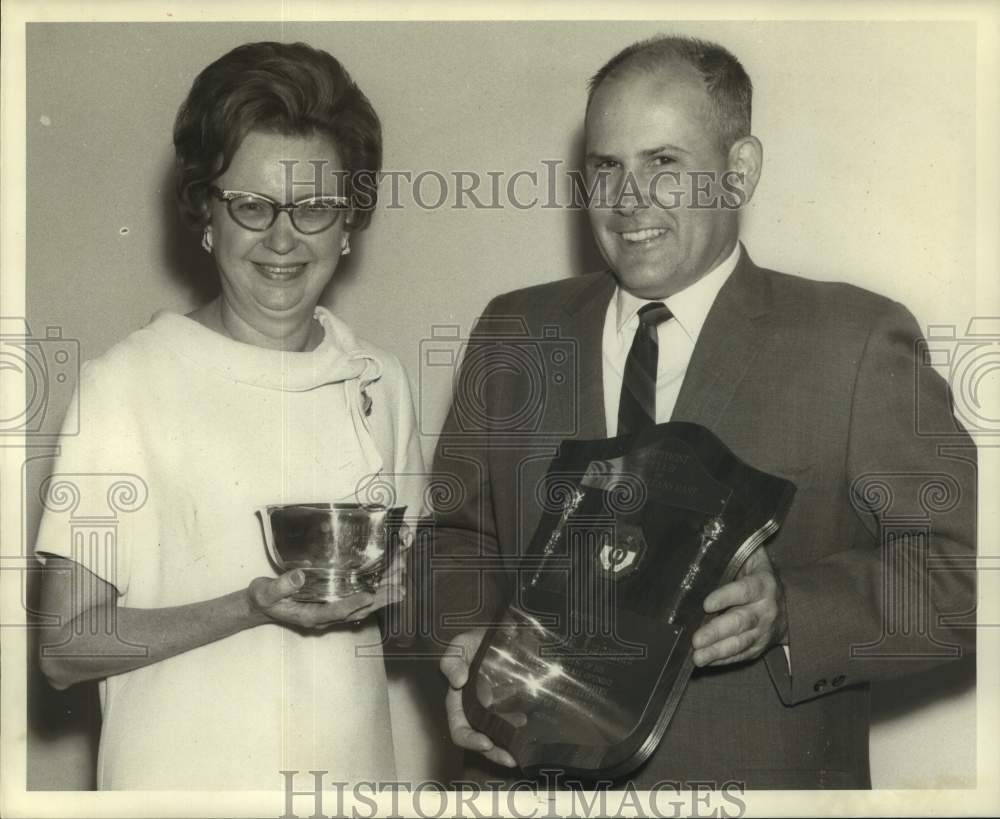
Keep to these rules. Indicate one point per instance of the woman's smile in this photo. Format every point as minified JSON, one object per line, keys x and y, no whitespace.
{"x":280,"y":273}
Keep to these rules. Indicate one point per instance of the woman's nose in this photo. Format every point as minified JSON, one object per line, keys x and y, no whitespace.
{"x":281,"y":236}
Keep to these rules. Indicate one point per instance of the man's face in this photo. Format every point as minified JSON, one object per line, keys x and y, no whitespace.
{"x":646,"y":134}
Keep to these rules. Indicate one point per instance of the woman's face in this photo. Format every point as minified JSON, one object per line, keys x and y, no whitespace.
{"x":273,"y":278}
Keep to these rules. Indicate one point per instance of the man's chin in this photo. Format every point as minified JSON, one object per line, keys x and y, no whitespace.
{"x":647,"y":284}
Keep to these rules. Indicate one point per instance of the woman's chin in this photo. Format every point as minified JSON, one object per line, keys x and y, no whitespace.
{"x":286,"y":302}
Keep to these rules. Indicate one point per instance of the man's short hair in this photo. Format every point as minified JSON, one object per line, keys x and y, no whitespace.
{"x":727,"y":83}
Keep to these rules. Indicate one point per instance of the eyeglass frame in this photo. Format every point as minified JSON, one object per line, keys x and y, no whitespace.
{"x":229,"y":196}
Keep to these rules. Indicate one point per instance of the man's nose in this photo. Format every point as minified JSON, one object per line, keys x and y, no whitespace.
{"x":630,"y":196}
{"x":282,"y":236}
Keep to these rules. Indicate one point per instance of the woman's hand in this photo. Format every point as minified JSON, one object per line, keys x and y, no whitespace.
{"x":270,"y":599}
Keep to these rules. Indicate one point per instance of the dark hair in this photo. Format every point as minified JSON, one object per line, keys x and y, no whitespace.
{"x":727,"y":83}
{"x":287,"y":88}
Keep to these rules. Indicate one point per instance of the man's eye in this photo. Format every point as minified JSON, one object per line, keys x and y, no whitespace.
{"x":663,"y":159}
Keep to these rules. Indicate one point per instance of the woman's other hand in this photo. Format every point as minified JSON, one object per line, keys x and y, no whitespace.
{"x":271,"y":599}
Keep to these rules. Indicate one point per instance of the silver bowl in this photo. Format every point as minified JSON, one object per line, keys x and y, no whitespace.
{"x":343,"y":548}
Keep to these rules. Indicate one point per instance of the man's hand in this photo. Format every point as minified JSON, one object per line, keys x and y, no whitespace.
{"x":455,"y":666}
{"x":751,"y":616}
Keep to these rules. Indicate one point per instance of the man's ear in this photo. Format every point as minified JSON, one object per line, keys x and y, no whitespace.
{"x":746,"y":159}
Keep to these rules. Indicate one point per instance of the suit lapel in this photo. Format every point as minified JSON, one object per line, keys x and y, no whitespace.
{"x":729,"y":341}
{"x":585,"y":325}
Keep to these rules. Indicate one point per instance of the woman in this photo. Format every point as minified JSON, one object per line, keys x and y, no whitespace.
{"x":212,"y":676}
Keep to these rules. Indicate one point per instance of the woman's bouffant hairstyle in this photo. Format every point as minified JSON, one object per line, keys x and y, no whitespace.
{"x":287,"y":88}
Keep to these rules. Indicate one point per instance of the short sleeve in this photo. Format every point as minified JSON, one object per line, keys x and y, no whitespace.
{"x":411,"y":475}
{"x":96,"y":504}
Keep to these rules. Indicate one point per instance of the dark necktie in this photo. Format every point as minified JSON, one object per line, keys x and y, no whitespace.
{"x":637,"y":408}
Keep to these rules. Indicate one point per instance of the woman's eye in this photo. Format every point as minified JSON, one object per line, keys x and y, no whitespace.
{"x":321,"y":205}
{"x":249,"y":206}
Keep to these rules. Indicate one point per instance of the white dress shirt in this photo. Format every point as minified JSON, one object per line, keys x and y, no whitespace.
{"x":676,"y":339}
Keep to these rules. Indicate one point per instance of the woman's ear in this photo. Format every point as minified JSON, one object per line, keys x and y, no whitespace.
{"x":205,"y":213}
{"x":205,"y":217}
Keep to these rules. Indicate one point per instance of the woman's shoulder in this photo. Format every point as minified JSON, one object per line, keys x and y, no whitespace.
{"x":144,"y":350}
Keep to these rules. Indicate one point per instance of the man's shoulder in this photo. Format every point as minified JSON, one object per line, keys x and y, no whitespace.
{"x":795,"y":286}
{"x":824,"y":301}
{"x":545,"y":296}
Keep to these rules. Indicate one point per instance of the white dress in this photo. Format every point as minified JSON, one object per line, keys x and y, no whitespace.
{"x":183,"y":434}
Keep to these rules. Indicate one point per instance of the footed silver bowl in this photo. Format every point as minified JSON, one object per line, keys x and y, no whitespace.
{"x":343,"y":548}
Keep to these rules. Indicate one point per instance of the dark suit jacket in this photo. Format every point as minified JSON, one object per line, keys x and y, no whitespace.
{"x":817,"y":382}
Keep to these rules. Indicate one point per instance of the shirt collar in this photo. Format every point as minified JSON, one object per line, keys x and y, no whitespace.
{"x":691,"y":305}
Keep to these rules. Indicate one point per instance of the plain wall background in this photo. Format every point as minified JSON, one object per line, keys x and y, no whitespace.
{"x":869,"y":177}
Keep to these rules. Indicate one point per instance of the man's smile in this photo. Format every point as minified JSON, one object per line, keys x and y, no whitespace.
{"x":644,"y":235}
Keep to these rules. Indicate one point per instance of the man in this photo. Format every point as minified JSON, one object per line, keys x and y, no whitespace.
{"x":811,"y":381}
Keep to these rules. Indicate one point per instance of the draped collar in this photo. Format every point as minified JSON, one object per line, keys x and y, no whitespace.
{"x":338,"y":357}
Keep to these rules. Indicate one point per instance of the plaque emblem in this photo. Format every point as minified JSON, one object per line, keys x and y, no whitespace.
{"x":622,"y":558}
